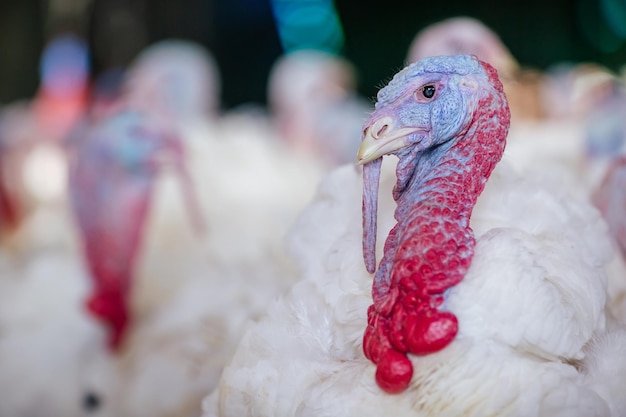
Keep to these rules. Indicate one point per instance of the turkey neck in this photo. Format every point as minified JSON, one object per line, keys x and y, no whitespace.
{"x":112,"y":209}
{"x":431,"y":246}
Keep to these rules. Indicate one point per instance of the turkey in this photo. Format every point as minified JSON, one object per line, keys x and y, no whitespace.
{"x":192,"y":205}
{"x":314,"y":104}
{"x":116,"y":157}
{"x":177,"y":77}
{"x":44,"y":327}
{"x":194,"y":293}
{"x":111,"y":180}
{"x":497,"y":309}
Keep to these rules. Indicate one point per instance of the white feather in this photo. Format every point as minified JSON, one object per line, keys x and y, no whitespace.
{"x":530,"y":304}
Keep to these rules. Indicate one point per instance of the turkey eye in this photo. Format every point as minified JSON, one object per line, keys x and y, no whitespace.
{"x":91,"y":401}
{"x":428,"y":91}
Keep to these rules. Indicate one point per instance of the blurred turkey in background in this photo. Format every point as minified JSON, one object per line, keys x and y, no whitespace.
{"x":155,"y":154}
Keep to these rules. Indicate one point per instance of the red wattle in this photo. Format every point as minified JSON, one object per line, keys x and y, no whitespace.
{"x":394,"y":372}
{"x":431,"y":332}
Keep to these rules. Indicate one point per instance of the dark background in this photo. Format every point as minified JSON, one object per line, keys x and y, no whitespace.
{"x":243,"y":36}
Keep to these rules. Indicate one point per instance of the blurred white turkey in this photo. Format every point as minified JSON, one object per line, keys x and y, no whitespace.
{"x":181,"y":219}
{"x":53,"y":359}
{"x":195,"y":291}
{"x":314,"y":104}
{"x":248,"y":183}
{"x":569,"y":89}
{"x":210,"y":250}
{"x":512,"y":323}
{"x":178,"y":78}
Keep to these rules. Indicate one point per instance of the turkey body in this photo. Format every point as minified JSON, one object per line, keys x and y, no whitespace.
{"x":53,"y":357}
{"x":578,"y":153}
{"x":197,"y":287}
{"x":214,"y":209}
{"x":528,"y":309}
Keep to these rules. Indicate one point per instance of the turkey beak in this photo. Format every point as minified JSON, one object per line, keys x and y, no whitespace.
{"x":379,"y":138}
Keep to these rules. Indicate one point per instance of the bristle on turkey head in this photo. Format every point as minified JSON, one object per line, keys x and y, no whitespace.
{"x":111,"y":180}
{"x":446,"y":118}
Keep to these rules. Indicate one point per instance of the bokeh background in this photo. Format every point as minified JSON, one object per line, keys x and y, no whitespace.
{"x":246,"y":36}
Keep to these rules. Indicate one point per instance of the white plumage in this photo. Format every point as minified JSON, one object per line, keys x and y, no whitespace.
{"x":529,"y":308}
{"x":195,"y":287}
{"x":576,"y":151}
{"x":196,"y":291}
{"x":53,"y":359}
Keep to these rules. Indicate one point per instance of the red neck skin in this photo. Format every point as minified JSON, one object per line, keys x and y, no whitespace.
{"x":111,"y":248}
{"x":430,"y":248}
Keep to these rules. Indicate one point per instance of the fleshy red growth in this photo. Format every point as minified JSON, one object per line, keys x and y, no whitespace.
{"x":394,"y":372}
{"x":431,"y":247}
{"x":610,"y":198}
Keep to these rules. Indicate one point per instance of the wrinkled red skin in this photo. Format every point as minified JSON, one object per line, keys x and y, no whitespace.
{"x":430,"y":250}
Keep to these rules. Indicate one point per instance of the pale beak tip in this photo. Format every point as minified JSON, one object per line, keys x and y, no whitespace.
{"x":363,"y":156}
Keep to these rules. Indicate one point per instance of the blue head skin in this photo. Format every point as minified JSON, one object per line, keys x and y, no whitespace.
{"x":417,"y":116}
